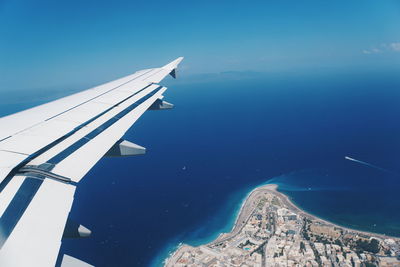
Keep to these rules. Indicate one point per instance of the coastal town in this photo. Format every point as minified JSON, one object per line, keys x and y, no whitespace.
{"x":271,"y":231}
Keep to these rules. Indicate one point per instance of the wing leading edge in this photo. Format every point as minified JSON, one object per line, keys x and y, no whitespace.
{"x":41,"y":152}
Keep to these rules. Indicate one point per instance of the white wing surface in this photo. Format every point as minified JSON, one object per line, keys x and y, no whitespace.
{"x":45,"y":151}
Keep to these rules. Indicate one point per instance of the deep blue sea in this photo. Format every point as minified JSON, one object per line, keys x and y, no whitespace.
{"x":229,"y":134}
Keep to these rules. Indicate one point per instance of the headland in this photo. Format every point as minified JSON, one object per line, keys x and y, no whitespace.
{"x":270,"y":230}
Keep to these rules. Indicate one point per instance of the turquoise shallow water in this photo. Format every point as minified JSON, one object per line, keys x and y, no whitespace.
{"x":204,"y":234}
{"x":226,"y":137}
{"x":299,"y":186}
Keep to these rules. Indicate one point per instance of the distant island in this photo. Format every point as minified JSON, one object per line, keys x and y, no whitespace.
{"x":272,"y":231}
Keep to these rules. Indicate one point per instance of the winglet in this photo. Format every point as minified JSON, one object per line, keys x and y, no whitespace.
{"x":172,"y":66}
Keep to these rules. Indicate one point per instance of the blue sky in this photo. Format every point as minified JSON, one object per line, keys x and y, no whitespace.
{"x":62,"y":43}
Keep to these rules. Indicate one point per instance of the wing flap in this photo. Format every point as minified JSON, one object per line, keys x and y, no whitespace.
{"x":26,"y":119}
{"x":28,"y":142}
{"x":87,"y":132}
{"x":8,"y":160}
{"x":50,"y":142}
{"x":8,"y":193}
{"x":37,"y":233}
{"x":97,"y":147}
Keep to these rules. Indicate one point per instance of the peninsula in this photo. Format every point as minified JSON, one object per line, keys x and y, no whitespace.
{"x":271,"y":230}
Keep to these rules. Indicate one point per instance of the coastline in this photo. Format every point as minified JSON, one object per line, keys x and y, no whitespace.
{"x":245,"y":212}
{"x":297,"y":209}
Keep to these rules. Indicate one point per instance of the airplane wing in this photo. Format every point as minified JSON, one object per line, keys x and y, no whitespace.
{"x":45,"y":151}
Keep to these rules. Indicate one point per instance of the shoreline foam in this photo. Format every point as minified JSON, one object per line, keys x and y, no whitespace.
{"x":244,"y":213}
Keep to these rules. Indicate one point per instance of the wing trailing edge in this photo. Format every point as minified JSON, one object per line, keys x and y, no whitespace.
{"x":41,"y":152}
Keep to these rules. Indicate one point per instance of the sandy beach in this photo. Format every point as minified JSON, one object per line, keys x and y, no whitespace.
{"x":248,"y":207}
{"x":297,"y":210}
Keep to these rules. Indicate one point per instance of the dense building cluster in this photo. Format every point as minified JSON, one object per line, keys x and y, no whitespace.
{"x":276,"y":234}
